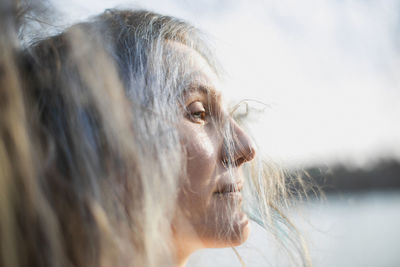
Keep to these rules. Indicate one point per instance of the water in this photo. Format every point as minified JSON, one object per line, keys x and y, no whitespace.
{"x":347,"y":230}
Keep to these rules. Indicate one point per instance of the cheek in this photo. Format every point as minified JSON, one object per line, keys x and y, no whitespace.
{"x":203,"y":217}
{"x":202,"y":161}
{"x":199,"y":181}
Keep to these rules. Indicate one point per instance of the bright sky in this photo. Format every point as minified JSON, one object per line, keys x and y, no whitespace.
{"x":328,"y":70}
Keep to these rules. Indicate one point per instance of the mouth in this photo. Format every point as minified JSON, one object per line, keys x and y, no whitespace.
{"x":232,"y":188}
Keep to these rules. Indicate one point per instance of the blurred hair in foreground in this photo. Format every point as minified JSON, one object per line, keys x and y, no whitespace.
{"x":90,"y":158}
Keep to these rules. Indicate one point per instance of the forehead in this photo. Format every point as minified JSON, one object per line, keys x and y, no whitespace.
{"x":202,"y":77}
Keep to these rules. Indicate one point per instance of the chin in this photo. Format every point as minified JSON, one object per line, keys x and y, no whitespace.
{"x":221,"y":238}
{"x":242,"y":233}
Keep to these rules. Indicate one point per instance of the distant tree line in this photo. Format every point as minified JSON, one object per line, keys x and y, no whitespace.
{"x":383,"y":175}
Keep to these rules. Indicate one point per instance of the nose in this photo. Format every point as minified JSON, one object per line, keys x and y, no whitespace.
{"x":240,"y":149}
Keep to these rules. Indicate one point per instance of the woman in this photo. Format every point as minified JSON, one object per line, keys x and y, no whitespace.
{"x":117,"y":149}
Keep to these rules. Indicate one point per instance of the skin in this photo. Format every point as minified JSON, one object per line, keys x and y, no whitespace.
{"x":209,"y":212}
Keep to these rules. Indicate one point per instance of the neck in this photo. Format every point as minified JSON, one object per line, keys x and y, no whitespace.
{"x":185,"y":241}
{"x":183,"y":249}
{"x":182,"y":264}
{"x":182,"y":255}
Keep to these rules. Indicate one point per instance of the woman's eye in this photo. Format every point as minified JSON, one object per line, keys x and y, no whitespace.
{"x":197,"y":112}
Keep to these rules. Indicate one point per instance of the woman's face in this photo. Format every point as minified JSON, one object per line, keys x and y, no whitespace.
{"x":209,"y":203}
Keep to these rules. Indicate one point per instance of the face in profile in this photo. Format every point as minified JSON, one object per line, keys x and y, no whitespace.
{"x":210,"y":200}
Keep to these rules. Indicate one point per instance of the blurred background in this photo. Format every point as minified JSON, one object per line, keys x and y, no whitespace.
{"x":327,"y":73}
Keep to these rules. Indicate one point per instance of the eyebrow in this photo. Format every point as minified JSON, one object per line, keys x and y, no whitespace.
{"x":204,"y":89}
{"x":200,"y":81}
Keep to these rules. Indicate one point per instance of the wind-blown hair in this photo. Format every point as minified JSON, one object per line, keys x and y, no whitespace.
{"x":90,"y":156}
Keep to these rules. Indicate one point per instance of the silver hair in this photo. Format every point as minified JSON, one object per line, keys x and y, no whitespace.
{"x":101,"y":104}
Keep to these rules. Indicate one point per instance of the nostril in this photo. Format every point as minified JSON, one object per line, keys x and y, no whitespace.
{"x":239,"y":157}
{"x":247,"y":155}
{"x":239,"y":149}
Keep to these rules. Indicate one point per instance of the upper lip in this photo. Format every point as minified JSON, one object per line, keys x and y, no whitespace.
{"x":229,"y":188}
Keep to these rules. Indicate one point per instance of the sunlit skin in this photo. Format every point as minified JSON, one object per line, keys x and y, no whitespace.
{"x":209,"y":210}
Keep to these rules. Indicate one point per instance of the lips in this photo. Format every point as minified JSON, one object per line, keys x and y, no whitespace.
{"x":229,"y":188}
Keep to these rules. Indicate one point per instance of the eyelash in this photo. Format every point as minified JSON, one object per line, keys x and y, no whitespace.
{"x":197,"y":116}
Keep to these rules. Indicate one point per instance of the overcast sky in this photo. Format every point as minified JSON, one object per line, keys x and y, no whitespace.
{"x":328,"y":70}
